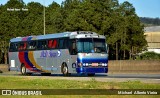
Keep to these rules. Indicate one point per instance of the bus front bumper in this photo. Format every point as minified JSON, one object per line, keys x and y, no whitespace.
{"x":91,"y":70}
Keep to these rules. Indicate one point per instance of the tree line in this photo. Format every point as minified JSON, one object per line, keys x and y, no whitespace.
{"x":150,"y":21}
{"x":118,"y":22}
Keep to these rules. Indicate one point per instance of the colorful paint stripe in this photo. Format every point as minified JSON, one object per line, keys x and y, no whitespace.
{"x":22,"y":60}
{"x":31,"y":58}
{"x":29,"y":62}
{"x":28,"y":58}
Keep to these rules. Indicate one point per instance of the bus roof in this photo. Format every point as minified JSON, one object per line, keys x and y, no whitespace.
{"x":76,"y":34}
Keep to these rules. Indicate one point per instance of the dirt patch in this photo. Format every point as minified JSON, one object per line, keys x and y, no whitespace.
{"x":3,"y":68}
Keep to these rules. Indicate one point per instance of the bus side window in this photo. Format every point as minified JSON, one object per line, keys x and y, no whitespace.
{"x":42,"y":44}
{"x":66,"y":43}
{"x":19,"y":46}
{"x":16,"y":46}
{"x":25,"y":46}
{"x":31,"y":45}
{"x":54,"y":44}
{"x":61,"y":44}
{"x":22,"y":46}
{"x":12,"y":47}
{"x":50,"y":43}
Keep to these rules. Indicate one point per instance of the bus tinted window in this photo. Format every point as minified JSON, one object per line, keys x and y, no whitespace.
{"x":22,"y":46}
{"x":42,"y":44}
{"x":13,"y":47}
{"x":99,"y":46}
{"x":52,"y":43}
{"x":31,"y":45}
{"x":61,"y":44}
{"x":85,"y":45}
{"x":88,"y":45}
{"x":66,"y":43}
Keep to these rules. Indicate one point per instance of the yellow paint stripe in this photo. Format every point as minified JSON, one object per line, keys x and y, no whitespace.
{"x":33,"y":38}
{"x":32,"y":60}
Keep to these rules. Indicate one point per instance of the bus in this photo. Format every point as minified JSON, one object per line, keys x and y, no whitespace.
{"x":80,"y":52}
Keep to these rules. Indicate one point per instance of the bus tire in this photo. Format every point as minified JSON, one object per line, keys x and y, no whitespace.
{"x":64,"y":69}
{"x":23,"y":70}
{"x":91,"y":74}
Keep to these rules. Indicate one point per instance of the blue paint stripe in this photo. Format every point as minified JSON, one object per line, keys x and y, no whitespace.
{"x":29,"y":63}
{"x":91,"y":70}
{"x":29,"y":38}
{"x":92,"y":60}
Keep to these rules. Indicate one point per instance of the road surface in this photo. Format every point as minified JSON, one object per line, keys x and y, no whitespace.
{"x":145,"y":78}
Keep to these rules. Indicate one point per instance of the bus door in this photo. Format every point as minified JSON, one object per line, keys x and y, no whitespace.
{"x":73,"y":55}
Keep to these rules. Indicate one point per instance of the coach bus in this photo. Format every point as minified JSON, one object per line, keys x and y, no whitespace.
{"x":81,"y":52}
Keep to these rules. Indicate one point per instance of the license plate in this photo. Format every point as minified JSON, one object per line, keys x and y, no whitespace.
{"x":94,"y":64}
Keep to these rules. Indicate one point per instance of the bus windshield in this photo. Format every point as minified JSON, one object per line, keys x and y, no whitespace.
{"x":89,"y":45}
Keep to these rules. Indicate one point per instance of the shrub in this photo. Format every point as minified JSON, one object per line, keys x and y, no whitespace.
{"x":149,"y":56}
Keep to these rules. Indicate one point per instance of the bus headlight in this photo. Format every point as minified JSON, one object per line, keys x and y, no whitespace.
{"x":84,"y":64}
{"x":103,"y":64}
{"x":87,"y":64}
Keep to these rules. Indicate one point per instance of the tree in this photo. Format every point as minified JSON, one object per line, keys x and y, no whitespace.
{"x":54,"y":18}
{"x":32,"y":24}
{"x":118,"y":22}
{"x":133,"y":30}
{"x":9,"y":23}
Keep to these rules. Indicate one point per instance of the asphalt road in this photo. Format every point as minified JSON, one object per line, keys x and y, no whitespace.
{"x":145,"y":78}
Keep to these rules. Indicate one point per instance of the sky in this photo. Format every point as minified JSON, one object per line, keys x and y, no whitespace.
{"x":144,"y":8}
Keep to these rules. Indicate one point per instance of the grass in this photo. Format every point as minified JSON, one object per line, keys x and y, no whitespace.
{"x":11,"y":82}
{"x":43,"y":83}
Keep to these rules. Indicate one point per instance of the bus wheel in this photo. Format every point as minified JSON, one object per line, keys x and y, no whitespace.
{"x":91,"y":74}
{"x":23,"y":70}
{"x":64,"y":69}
